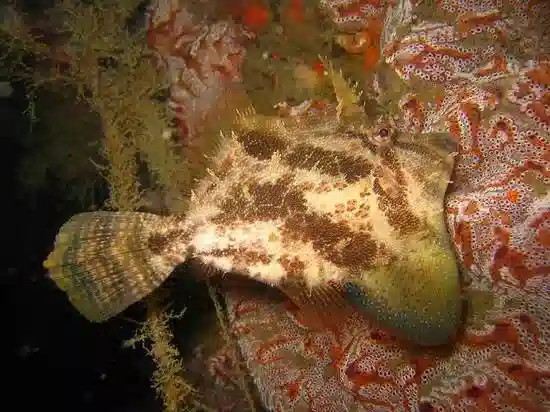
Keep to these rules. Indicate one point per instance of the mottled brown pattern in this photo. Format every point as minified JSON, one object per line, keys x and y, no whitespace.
{"x":392,"y":198}
{"x":261,"y":144}
{"x":244,"y":256}
{"x":270,"y":201}
{"x":360,"y":250}
{"x":158,"y":242}
{"x":329,"y":162}
{"x":263,"y":202}
{"x":293,"y":266}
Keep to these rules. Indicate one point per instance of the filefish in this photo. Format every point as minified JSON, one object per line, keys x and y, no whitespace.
{"x":333,"y":210}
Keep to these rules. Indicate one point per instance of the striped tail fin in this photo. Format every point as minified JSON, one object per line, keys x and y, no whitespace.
{"x":106,"y":261}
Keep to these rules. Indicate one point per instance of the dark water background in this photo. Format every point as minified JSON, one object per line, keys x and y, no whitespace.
{"x":55,"y":359}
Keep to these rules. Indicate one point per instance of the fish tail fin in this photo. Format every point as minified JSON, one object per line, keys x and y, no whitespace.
{"x":106,"y":261}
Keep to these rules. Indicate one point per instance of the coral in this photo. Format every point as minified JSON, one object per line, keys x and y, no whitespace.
{"x":230,"y":352}
{"x":201,"y":62}
{"x":354,"y":15}
{"x":492,"y":101}
{"x":284,"y":57}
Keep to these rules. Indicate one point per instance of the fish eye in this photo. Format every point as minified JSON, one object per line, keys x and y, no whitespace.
{"x":382,"y":137}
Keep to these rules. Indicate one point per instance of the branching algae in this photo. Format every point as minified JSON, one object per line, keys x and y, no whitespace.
{"x":90,"y":52}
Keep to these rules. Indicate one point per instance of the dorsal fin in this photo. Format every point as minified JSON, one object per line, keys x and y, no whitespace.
{"x":347,"y":96}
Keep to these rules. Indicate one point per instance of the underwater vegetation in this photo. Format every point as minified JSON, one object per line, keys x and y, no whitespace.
{"x":381,"y":244}
{"x":90,"y":135}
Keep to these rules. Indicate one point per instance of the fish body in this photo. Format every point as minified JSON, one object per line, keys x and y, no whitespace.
{"x":319,"y":202}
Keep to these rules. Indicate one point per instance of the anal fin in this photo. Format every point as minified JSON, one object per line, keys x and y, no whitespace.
{"x":323,"y":306}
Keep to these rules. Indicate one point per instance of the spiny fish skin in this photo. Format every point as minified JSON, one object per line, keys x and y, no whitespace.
{"x":286,"y":202}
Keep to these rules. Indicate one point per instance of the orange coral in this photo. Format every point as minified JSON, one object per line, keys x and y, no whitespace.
{"x":365,"y":42}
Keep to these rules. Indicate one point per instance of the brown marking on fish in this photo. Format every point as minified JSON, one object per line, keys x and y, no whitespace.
{"x":263,"y":202}
{"x":306,"y":156}
{"x":392,"y":199}
{"x":243,"y":256}
{"x":261,"y":144}
{"x":158,"y":242}
{"x":294,"y":267}
{"x":252,"y":257}
{"x":360,"y":250}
